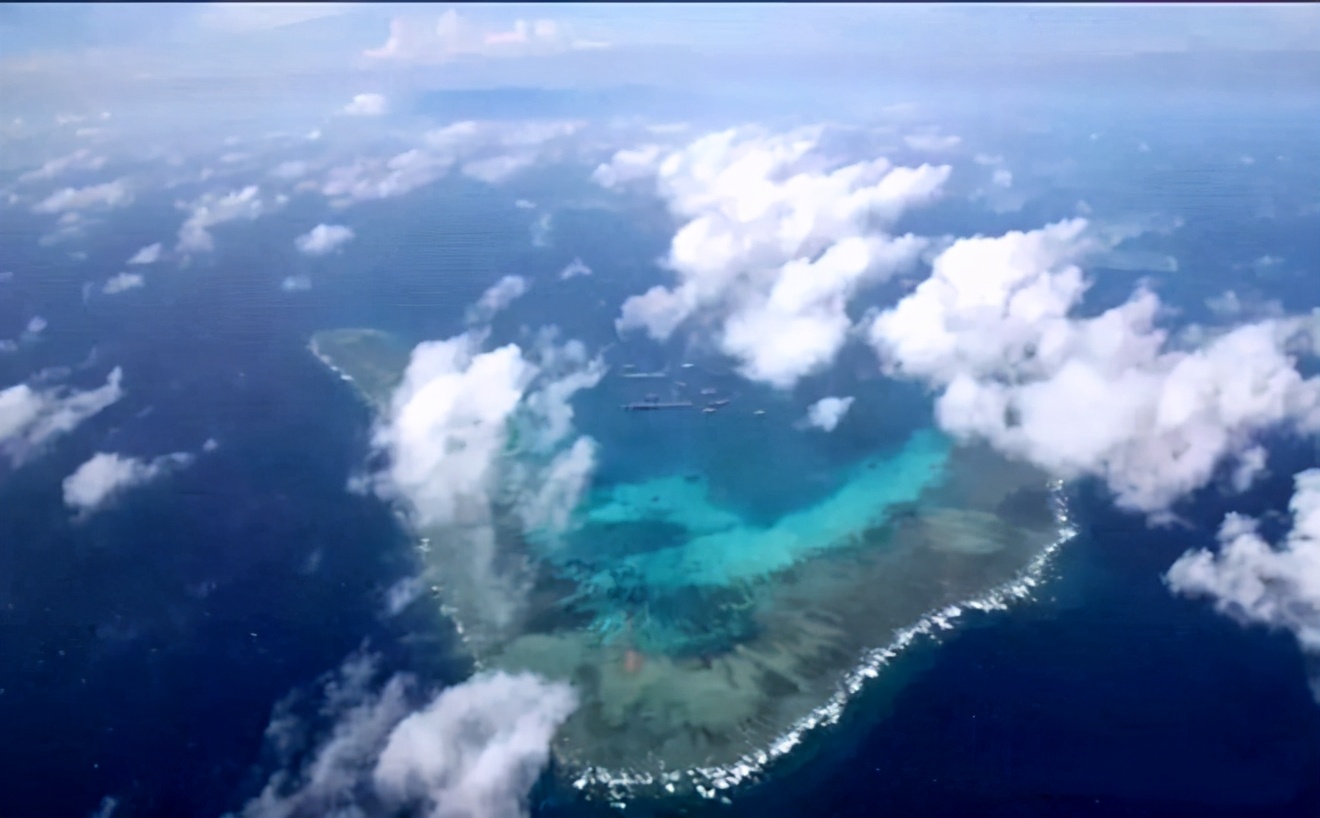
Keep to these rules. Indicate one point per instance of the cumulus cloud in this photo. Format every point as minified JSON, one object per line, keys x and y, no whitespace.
{"x":212,"y":209}
{"x":1255,"y":583}
{"x":1099,"y":396}
{"x":420,"y":40}
{"x":496,"y":297}
{"x":477,"y":749}
{"x":323,"y":239}
{"x":32,"y":418}
{"x":575,"y":268}
{"x":629,"y":165}
{"x":826,"y":413}
{"x":473,"y":435}
{"x":103,"y":196}
{"x":122,"y":283}
{"x":366,"y":105}
{"x":777,"y":239}
{"x":147,"y":255}
{"x":106,"y":476}
{"x":472,"y":751}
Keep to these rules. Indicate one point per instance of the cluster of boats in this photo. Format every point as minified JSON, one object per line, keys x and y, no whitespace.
{"x":653,"y":401}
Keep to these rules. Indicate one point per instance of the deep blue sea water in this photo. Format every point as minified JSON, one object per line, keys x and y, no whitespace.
{"x":141,"y":652}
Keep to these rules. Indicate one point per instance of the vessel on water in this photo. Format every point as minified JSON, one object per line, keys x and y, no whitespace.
{"x":642,"y":406}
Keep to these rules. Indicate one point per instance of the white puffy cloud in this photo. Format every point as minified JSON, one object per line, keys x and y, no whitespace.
{"x":777,"y":240}
{"x":1255,"y":583}
{"x":81,"y":159}
{"x":496,"y":297}
{"x":103,"y":196}
{"x":106,"y":475}
{"x":451,"y":36}
{"x":629,"y":165}
{"x":473,"y":751}
{"x":147,"y":255}
{"x":473,"y":434}
{"x":575,"y":268}
{"x":1099,"y":396}
{"x":211,"y":209}
{"x":367,"y":105}
{"x":477,"y":749}
{"x":31,"y":418}
{"x":826,"y":413}
{"x":448,"y":426}
{"x":122,"y":283}
{"x":323,"y":239}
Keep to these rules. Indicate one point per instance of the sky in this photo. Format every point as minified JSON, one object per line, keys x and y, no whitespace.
{"x":94,"y":54}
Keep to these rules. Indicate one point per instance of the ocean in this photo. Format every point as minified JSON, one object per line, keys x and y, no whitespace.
{"x":142,"y":651}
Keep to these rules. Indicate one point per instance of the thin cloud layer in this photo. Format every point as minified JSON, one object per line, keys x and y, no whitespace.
{"x":106,"y":476}
{"x":574,"y":269}
{"x":123,"y":282}
{"x":32,"y":418}
{"x":81,"y":159}
{"x":148,"y":255}
{"x":1102,"y":396}
{"x":473,"y":750}
{"x":323,"y":239}
{"x":1257,"y":584}
{"x":498,"y":296}
{"x":104,"y":196}
{"x":489,"y":151}
{"x":777,"y":241}
{"x":452,"y":36}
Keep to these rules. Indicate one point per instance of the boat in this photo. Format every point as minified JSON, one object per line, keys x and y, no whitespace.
{"x":759,"y":412}
{"x":716,"y":404}
{"x":646,"y":406}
